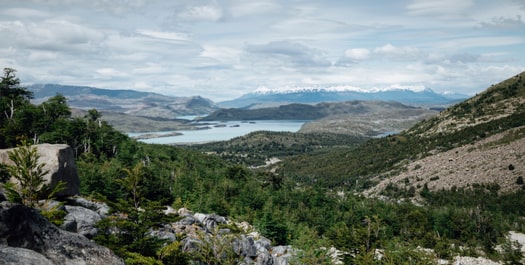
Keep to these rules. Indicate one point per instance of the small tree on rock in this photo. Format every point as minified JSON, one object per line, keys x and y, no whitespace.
{"x":28,"y":173}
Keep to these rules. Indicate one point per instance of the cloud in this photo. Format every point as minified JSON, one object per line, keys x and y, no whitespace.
{"x":25,"y":13}
{"x":242,"y":8}
{"x":206,"y":12}
{"x":357,"y":53}
{"x":472,"y":42}
{"x":392,"y":52}
{"x":224,"y":48}
{"x":164,"y":35}
{"x":108,"y":73}
{"x":288,"y":53}
{"x":221,"y":54}
{"x":440,"y":8}
{"x":503,"y":23}
{"x":117,"y":7}
{"x":353,"y":56}
{"x":46,"y":36}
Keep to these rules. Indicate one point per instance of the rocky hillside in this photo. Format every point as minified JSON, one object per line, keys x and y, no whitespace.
{"x":490,"y":152}
{"x":32,"y":239}
{"x":497,"y":159}
{"x":496,"y":103}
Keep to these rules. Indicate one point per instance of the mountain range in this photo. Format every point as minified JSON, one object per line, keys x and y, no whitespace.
{"x":313,"y":95}
{"x":145,"y":104}
{"x":135,"y":111}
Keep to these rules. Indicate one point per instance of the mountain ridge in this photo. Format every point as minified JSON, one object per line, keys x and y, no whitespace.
{"x":137,"y":103}
{"x":316,"y":95}
{"x":497,"y":110}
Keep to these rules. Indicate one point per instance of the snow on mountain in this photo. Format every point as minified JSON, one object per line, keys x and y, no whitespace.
{"x":410,"y":95}
{"x":336,"y":88}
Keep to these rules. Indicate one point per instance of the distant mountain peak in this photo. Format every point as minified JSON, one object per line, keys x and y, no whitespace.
{"x":410,"y":95}
{"x":337,"y":88}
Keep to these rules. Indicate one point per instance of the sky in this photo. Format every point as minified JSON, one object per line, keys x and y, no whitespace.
{"x":222,"y":49}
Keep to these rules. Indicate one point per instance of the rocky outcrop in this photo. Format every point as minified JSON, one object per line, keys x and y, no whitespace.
{"x":245,"y":242}
{"x":59,"y":160}
{"x":26,"y":237}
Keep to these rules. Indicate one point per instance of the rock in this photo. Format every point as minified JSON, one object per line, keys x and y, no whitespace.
{"x":164,"y":233}
{"x":184,"y":212}
{"x":81,"y":220}
{"x":263,"y":245}
{"x":264,"y":259}
{"x":245,"y":247}
{"x":188,"y":220}
{"x":210,"y":221}
{"x":16,"y":256}
{"x":24,"y":231}
{"x":101,"y":208}
{"x":59,"y":160}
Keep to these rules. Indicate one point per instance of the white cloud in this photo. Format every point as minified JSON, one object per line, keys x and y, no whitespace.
{"x":398,"y":53}
{"x":357,"y":53}
{"x":110,"y":73}
{"x":209,"y":12}
{"x":52,"y":35}
{"x":251,"y":8}
{"x":176,"y":36}
{"x":443,"y":8}
{"x":222,"y":54}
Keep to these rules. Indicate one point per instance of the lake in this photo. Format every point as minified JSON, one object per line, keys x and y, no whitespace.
{"x":222,"y":131}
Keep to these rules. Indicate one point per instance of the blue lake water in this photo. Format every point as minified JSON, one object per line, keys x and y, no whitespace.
{"x":223,"y":131}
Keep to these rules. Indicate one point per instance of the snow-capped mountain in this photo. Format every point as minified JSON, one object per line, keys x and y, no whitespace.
{"x":413,"y":95}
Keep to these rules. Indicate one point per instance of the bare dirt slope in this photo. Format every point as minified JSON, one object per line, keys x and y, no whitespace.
{"x":497,"y":159}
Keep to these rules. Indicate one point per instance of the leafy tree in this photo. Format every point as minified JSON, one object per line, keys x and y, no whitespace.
{"x":13,"y":99}
{"x":29,"y":174}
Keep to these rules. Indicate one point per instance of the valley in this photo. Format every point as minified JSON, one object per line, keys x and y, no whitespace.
{"x":362,"y":177}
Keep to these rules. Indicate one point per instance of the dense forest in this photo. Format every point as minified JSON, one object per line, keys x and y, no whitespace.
{"x":311,"y":204}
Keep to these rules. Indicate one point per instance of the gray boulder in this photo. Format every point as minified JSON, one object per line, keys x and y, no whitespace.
{"x":24,"y":231}
{"x":81,"y":220}
{"x":59,"y":160}
{"x":99,"y":207}
{"x":245,"y":246}
{"x":17,"y":256}
{"x":210,"y":221}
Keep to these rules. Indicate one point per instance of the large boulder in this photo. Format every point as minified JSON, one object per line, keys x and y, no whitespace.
{"x":59,"y":160}
{"x":81,"y":220}
{"x":26,"y":237}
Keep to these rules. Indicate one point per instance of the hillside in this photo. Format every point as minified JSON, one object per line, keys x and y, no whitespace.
{"x":264,"y":148}
{"x":492,"y":156}
{"x":495,"y":160}
{"x":137,"y":124}
{"x":495,"y":111}
{"x":370,"y":124}
{"x":375,"y":109}
{"x":125,"y":101}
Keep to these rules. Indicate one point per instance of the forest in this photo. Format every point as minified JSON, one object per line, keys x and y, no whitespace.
{"x":309,"y":205}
